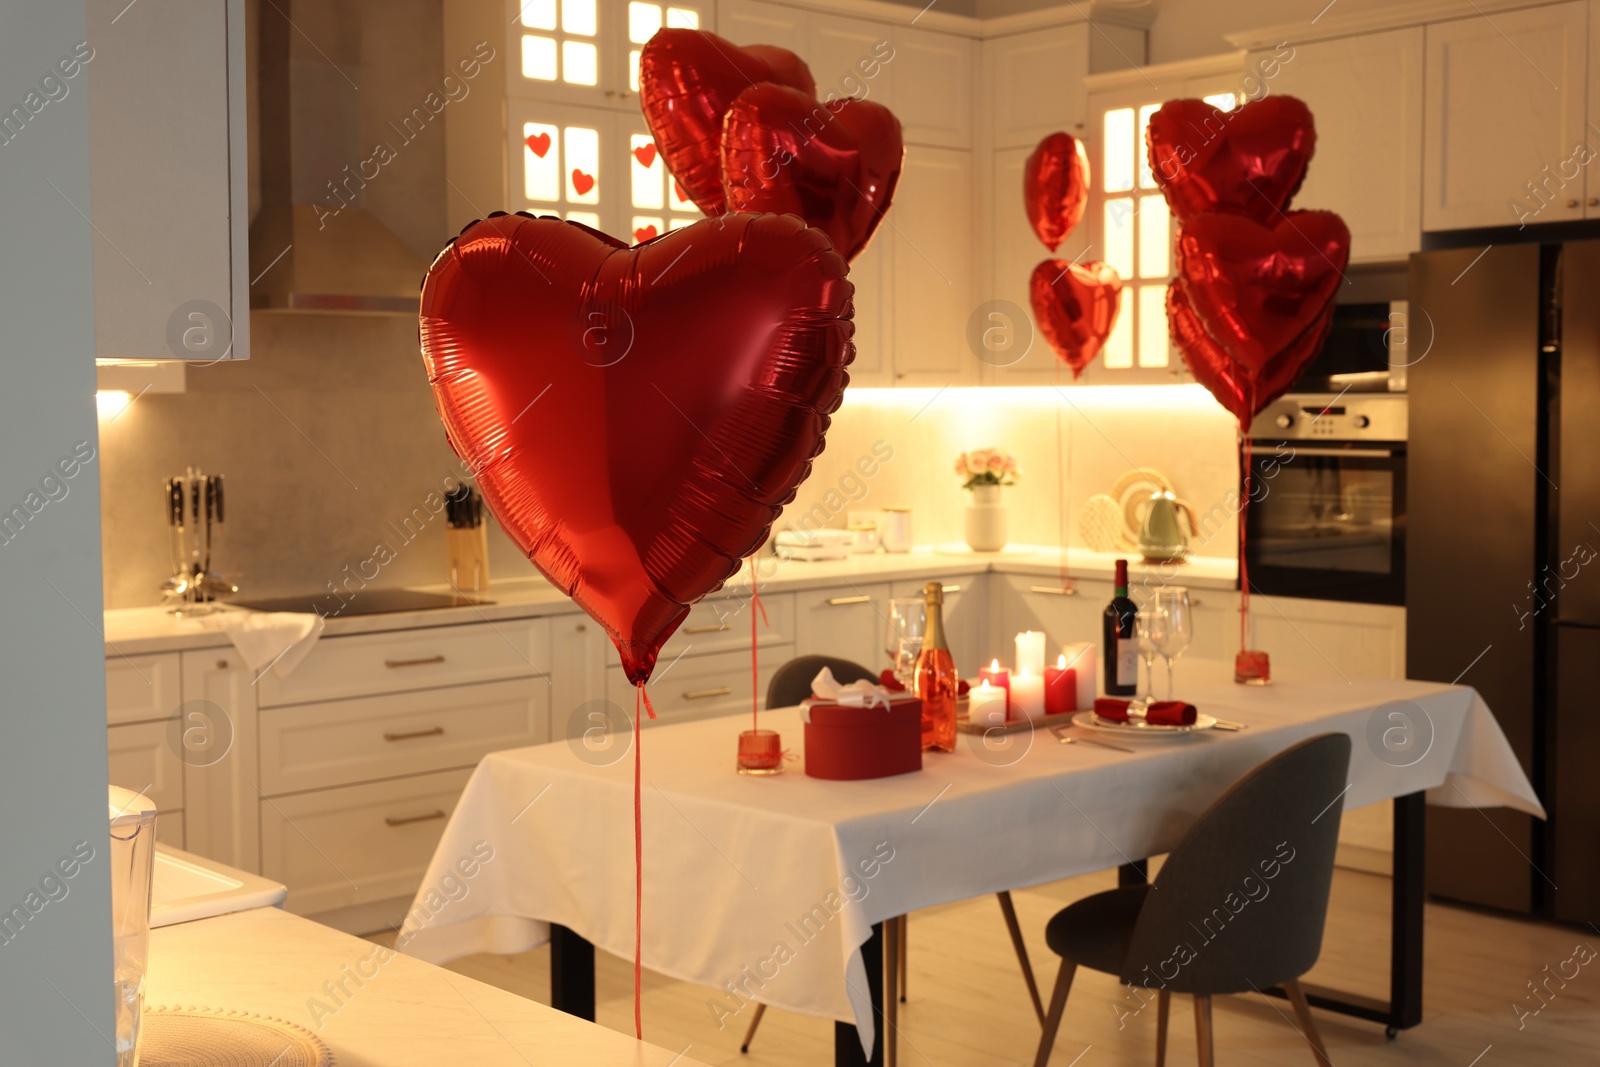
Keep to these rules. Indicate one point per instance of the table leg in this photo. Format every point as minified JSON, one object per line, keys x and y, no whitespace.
{"x":571,"y":973}
{"x":1135,"y":873}
{"x":846,"y":1041}
{"x":891,"y":991}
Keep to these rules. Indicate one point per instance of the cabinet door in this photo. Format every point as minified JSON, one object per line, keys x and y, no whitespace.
{"x":847,"y":621}
{"x":1366,"y":94}
{"x":168,"y":191}
{"x":966,"y":620}
{"x":929,"y":233}
{"x":1489,"y":139}
{"x":1038,"y":603}
{"x":218,"y":742}
{"x":936,"y":71}
{"x":1323,"y":639}
{"x":578,"y":685}
{"x":699,"y":687}
{"x":753,"y":22}
{"x":141,"y":688}
{"x":1035,"y":85}
{"x":142,"y":758}
{"x":1575,"y":798}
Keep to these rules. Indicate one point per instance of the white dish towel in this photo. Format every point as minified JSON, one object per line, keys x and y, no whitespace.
{"x":278,"y":640}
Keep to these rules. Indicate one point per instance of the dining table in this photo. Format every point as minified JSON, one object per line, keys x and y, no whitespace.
{"x":777,"y":890}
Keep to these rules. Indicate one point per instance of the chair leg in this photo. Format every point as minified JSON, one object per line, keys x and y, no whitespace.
{"x":1202,"y":1030}
{"x":755,"y":1021}
{"x":904,"y":929}
{"x":1163,"y":1010}
{"x":1010,"y":912}
{"x":1308,"y":1025}
{"x":891,"y":992}
{"x":1058,"y":1007}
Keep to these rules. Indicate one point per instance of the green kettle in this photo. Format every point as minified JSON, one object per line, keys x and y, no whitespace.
{"x":1162,"y":537}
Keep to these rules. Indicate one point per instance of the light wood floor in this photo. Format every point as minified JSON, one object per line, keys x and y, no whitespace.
{"x":968,"y":1005}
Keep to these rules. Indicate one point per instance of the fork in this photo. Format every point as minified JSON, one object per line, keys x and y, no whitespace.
{"x":1071,"y":739}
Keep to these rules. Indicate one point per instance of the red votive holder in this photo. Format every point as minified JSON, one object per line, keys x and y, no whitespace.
{"x":1252,"y":667}
{"x":760,"y":752}
{"x":1000,"y":678}
{"x":1060,"y":688}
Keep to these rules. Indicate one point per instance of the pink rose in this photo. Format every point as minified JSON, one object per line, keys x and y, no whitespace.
{"x":996,"y":462}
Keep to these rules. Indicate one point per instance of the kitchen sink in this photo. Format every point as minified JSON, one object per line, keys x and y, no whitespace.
{"x":185,"y":887}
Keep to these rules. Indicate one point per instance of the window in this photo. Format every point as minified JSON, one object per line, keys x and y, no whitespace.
{"x":644,"y":20}
{"x":656,"y":198}
{"x":563,"y":45}
{"x":1136,"y":230}
{"x":562,"y":171}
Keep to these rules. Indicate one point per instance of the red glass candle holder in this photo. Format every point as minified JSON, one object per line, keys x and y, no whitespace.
{"x":760,"y":752}
{"x":1252,"y":667}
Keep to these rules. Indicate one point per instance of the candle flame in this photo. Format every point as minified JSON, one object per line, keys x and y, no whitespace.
{"x":1061,"y":662}
{"x":984,"y":685}
{"x":994,"y":664}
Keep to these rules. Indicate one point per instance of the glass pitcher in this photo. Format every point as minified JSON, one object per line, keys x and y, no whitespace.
{"x":133,"y":849}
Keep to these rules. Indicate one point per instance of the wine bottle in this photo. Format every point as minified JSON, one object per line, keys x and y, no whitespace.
{"x":936,"y":678}
{"x":1120,"y":651}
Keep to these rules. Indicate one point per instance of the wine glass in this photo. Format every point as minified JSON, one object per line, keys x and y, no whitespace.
{"x":1173,"y":600}
{"x":905,"y":623}
{"x":1150,"y":631}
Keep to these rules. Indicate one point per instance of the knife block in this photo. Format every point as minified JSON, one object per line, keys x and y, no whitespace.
{"x":468,"y":551}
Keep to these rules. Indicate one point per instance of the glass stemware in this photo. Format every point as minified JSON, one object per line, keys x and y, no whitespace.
{"x":1150,"y":631}
{"x":904,"y":627}
{"x":1173,"y":600}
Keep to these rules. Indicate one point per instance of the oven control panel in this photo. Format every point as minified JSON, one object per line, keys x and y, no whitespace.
{"x":1333,"y":417}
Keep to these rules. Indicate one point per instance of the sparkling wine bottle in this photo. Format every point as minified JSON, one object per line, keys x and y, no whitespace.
{"x":1120,"y":651}
{"x":936,"y":677}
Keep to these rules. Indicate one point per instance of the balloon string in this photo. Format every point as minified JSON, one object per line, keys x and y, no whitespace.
{"x":1063,"y":508}
{"x":755,"y":672}
{"x":638,"y":868}
{"x":1247,"y":464}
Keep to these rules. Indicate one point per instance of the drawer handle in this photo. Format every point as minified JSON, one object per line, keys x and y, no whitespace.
{"x":701,"y":694}
{"x":837,"y":601}
{"x":952,"y":589}
{"x":1053,"y":590}
{"x":420,"y":661}
{"x":707,"y":629}
{"x":432,"y":815}
{"x":433,"y":731}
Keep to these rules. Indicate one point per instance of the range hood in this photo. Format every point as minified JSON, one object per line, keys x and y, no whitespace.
{"x":314,"y":245}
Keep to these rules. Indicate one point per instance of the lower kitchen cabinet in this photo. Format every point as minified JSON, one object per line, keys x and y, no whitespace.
{"x":142,"y":758}
{"x":966,"y":622}
{"x":1326,"y":639}
{"x":848,"y":621}
{"x":1027,"y":602}
{"x":217,"y":737}
{"x":699,"y":687}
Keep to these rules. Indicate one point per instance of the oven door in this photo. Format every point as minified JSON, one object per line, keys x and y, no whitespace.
{"x":1327,"y":521}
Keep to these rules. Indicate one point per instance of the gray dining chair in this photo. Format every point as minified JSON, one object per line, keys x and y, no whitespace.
{"x":791,"y":683}
{"x":1238,"y":906}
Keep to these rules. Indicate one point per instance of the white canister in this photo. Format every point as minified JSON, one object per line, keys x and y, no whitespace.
{"x":863,"y":538}
{"x":894,"y":529}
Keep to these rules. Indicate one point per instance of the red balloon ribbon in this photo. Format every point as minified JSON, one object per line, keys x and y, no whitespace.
{"x":1055,"y":187}
{"x":1249,"y":161}
{"x":1076,"y":307}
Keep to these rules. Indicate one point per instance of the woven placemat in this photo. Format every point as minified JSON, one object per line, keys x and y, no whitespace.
{"x":215,"y":1037}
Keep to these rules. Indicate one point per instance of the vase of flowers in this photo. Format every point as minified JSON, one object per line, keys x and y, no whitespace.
{"x":984,"y":473}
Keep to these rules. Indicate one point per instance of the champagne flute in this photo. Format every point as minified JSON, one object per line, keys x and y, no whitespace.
{"x":905,"y":624}
{"x":1174,"y":601}
{"x":1150,"y":631}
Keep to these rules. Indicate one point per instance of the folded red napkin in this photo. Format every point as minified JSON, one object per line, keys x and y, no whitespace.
{"x":1161,"y":713}
{"x":887,"y":679}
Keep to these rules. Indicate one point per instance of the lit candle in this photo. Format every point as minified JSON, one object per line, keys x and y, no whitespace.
{"x":1000,"y":678}
{"x":1081,"y":658}
{"x":1060,"y":688}
{"x":987,"y":704}
{"x":1027,"y":695}
{"x":1030,"y":652}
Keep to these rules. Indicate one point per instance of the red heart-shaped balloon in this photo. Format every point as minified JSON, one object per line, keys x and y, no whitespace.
{"x":636,"y":418}
{"x":646,"y":155}
{"x":1055,"y":187}
{"x":1076,"y":307}
{"x":538,"y":143}
{"x":1257,"y":289}
{"x":835,"y":165}
{"x":1248,"y":161}
{"x":687,"y":80}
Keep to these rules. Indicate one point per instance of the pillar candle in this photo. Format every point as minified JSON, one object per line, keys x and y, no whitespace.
{"x":1027,"y":695}
{"x":1030,"y":652}
{"x":986,"y":704}
{"x":1000,"y":678}
{"x":1060,"y":688}
{"x":1081,"y":658}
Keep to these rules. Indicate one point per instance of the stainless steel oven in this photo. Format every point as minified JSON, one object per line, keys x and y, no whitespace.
{"x":1327,"y":513}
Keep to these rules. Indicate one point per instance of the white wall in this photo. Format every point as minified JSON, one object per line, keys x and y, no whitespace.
{"x":55,"y":973}
{"x":1188,"y":29}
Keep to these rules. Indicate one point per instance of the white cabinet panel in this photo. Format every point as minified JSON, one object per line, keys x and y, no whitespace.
{"x":700,"y":687}
{"x":580,"y":646}
{"x":966,"y":621}
{"x":1324,"y":639}
{"x":934,"y":78}
{"x":752,"y":22}
{"x":847,"y":621}
{"x":930,"y":234}
{"x":1038,"y":603}
{"x":722,"y":623}
{"x":141,"y":688}
{"x":219,"y":753}
{"x":1035,"y":85}
{"x":1505,"y":99}
{"x":852,"y":57}
{"x":142,"y":759}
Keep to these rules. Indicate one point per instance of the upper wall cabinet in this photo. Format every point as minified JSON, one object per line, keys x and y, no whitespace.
{"x":168,"y":186}
{"x":1366,"y":95}
{"x":934,"y":75}
{"x":1504,"y":129}
{"x":1035,"y":83}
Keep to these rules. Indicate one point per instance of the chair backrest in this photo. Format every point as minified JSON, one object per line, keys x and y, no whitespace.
{"x":1240,"y":903}
{"x":791,"y":683}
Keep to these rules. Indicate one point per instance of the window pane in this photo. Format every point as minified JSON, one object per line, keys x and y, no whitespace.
{"x":583,"y":164}
{"x":646,"y":227}
{"x":1155,"y":237}
{"x":1223,"y":101}
{"x":643,"y":21}
{"x":1119,"y":346}
{"x":1119,"y":235}
{"x":647,"y":173}
{"x":541,"y":162}
{"x":633,"y":70}
{"x":1146,"y":179}
{"x":580,"y":63}
{"x":678,"y":224}
{"x":577,"y":16}
{"x":1116,"y":169}
{"x":539,"y":14}
{"x":683,"y":18}
{"x":539,"y":58}
{"x":1153,"y":326}
{"x":680,"y":199}
{"x":588,"y":218}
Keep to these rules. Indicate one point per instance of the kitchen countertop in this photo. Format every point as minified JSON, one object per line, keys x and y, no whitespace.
{"x":136,"y":631}
{"x":395,"y":1011}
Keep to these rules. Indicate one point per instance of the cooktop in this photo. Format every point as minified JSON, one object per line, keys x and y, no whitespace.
{"x":364,"y":602}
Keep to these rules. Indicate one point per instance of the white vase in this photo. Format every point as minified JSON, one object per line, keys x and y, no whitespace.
{"x":986,"y":519}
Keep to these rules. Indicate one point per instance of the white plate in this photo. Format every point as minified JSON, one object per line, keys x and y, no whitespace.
{"x":1141,"y":730}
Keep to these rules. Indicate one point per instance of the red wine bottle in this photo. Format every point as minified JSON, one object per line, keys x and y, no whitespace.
{"x":1119,"y":650}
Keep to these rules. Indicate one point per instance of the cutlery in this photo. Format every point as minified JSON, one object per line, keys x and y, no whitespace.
{"x":1072,"y":739}
{"x":1224,"y":724}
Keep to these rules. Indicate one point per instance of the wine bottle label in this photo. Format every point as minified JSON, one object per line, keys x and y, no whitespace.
{"x":1127,"y":661}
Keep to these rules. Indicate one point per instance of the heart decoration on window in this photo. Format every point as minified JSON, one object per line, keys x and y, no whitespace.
{"x":538,"y":143}
{"x":643,"y":234}
{"x":646,"y":155}
{"x":581,"y":182}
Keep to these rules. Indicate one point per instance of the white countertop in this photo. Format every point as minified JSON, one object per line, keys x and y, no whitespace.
{"x":134,"y":631}
{"x":407,"y":1014}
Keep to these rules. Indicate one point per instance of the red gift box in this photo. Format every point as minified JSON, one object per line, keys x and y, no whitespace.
{"x":846,"y":744}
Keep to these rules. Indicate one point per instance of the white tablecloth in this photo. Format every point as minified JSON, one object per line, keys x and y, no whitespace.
{"x":768,"y":886}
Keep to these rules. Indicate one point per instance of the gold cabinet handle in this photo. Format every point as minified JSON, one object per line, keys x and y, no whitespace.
{"x":837,"y":601}
{"x":1572,"y":203}
{"x":1053,"y":590}
{"x":701,"y":694}
{"x":433,"y":731}
{"x":420,"y":661}
{"x":952,"y":589}
{"x":408,"y":820}
{"x":707,"y":629}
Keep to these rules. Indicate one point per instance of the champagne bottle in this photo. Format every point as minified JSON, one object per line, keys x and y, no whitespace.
{"x":1120,"y":650}
{"x":936,"y":677}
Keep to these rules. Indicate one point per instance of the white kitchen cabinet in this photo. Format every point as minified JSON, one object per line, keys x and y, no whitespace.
{"x":1505,"y":99}
{"x":578,"y":650}
{"x":700,"y":687}
{"x":142,"y":688}
{"x":1328,"y":640}
{"x":1030,"y":602}
{"x":1366,"y":95}
{"x":966,"y":621}
{"x":746,"y":22}
{"x":934,"y":75}
{"x":848,"y":621}
{"x":933,"y":258}
{"x":142,"y":759}
{"x":218,"y":741}
{"x":1034,"y":85}
{"x":168,"y":194}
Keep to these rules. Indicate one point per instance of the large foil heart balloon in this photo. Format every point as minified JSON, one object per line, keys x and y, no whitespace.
{"x":637,"y":417}
{"x":1249,"y":161}
{"x":835,"y":165}
{"x":1256,"y":289}
{"x":1076,"y":307}
{"x":1055,"y":187}
{"x":687,"y":81}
